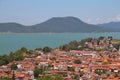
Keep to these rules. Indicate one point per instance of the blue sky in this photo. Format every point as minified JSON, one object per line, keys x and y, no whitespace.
{"x":29,"y":12}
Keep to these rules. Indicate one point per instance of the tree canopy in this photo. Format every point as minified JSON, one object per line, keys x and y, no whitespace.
{"x":47,"y":49}
{"x":38,"y":71}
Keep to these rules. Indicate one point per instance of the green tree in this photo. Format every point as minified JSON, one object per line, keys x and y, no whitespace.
{"x":24,"y":49}
{"x":65,"y":47}
{"x":81,"y":73}
{"x":40,"y":49}
{"x":58,"y":77}
{"x":117,"y":46}
{"x":74,"y":43}
{"x":101,"y":37}
{"x":88,"y":39}
{"x":46,"y":78}
{"x":13,"y":76}
{"x":54,"y":77}
{"x":115,"y":75}
{"x":47,"y":49}
{"x":5,"y":59}
{"x":6,"y":78}
{"x":77,"y":61}
{"x":71,"y":69}
{"x":18,"y":55}
{"x":13,"y":66}
{"x":38,"y":71}
{"x":100,"y":72}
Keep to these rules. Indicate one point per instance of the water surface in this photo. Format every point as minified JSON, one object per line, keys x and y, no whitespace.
{"x":12,"y":42}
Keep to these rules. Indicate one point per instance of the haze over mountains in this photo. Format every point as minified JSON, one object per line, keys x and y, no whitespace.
{"x":114,"y":26}
{"x":60,"y":25}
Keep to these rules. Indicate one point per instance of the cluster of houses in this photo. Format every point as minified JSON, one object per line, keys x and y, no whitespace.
{"x":104,"y":43}
{"x":72,"y":65}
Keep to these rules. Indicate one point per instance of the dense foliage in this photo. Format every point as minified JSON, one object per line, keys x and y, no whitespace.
{"x":38,"y":71}
{"x":56,"y":77}
{"x":6,"y":78}
{"x":17,"y":56}
{"x":47,"y":49}
{"x":13,"y":76}
{"x":75,"y":45}
{"x":77,"y":61}
{"x":71,"y":69}
{"x":14,"y":67}
{"x":117,"y":46}
{"x":100,"y":72}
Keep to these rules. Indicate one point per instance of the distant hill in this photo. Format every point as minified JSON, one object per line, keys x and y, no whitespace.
{"x":54,"y":25}
{"x":13,"y":27}
{"x":114,"y":26}
{"x":65,"y":24}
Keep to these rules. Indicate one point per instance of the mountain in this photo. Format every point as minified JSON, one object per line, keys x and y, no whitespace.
{"x":12,"y":27}
{"x":54,"y":25}
{"x":66,"y":24}
{"x":114,"y":26}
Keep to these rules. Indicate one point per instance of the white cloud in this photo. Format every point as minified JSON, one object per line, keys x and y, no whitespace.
{"x":118,"y":17}
{"x":101,"y":20}
{"x":98,"y":19}
{"x":106,"y":19}
{"x":89,"y":20}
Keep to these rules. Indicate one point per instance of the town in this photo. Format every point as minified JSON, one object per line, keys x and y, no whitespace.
{"x":89,"y":59}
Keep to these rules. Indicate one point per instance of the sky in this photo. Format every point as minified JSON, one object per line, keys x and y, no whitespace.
{"x":30,"y":12}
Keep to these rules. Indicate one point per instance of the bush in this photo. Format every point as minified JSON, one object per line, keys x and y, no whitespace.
{"x":47,"y":49}
{"x":14,"y":67}
{"x":77,"y":61}
{"x":38,"y":71}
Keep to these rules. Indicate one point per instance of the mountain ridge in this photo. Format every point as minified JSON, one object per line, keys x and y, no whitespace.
{"x":55,"y":25}
{"x":115,"y":26}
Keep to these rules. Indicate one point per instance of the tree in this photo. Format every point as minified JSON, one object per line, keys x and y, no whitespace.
{"x":58,"y":77}
{"x":13,"y":76}
{"x":101,"y":37}
{"x":47,"y":49}
{"x":81,"y":73}
{"x":24,"y":49}
{"x":5,"y":59}
{"x":38,"y":71}
{"x":18,"y":56}
{"x":2,"y":62}
{"x":100,"y":72}
{"x":77,"y":61}
{"x":65,"y":47}
{"x":14,"y":67}
{"x":46,"y":78}
{"x":5,"y":78}
{"x":115,"y":75}
{"x":40,"y":49}
{"x":71,"y":69}
{"x":74,"y":43}
{"x":88,"y":39}
{"x":117,"y":46}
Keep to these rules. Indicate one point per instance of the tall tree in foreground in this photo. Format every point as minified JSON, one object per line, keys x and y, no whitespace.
{"x":13,"y":76}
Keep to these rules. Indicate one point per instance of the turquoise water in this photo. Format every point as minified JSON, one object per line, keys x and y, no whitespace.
{"x":12,"y":42}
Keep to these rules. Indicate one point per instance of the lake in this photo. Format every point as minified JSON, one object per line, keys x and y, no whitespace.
{"x":12,"y":42}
